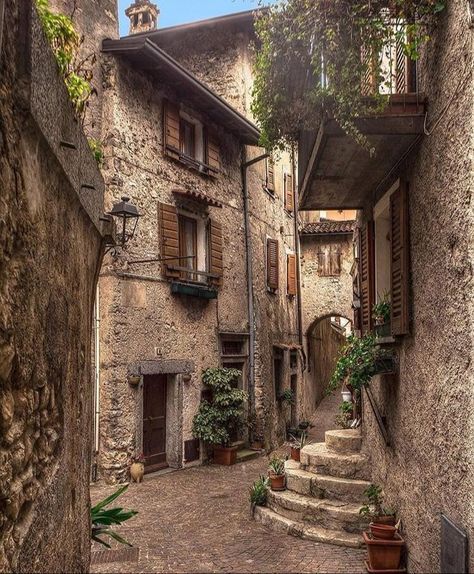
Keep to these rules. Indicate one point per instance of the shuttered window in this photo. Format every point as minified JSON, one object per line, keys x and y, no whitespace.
{"x":289,"y":193}
{"x":216,"y":265}
{"x":399,"y":260}
{"x":171,"y":128}
{"x":212,"y":158}
{"x":272,"y":264}
{"x":270,"y":175}
{"x":291,"y":275}
{"x":367,"y":275}
{"x":169,"y":234}
{"x":329,"y":261}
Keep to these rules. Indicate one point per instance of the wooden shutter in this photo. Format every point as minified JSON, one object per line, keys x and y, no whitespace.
{"x":273,"y":268}
{"x":367,"y":276}
{"x":291,"y":275}
{"x":270,"y":182}
{"x":213,"y":156}
{"x":169,"y":233}
{"x":171,"y":129}
{"x":324,"y":268}
{"x":399,"y":260}
{"x":216,"y":264}
{"x":289,"y":193}
{"x":335,"y":260}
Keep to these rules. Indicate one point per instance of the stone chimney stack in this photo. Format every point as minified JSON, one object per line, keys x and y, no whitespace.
{"x":143,"y":16}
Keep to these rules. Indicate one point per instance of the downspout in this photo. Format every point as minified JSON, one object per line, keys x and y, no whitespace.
{"x":250,"y":296}
{"x":298,"y":261}
{"x":96,"y":374}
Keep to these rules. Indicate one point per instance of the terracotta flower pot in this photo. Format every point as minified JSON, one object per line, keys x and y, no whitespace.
{"x":384,"y":554}
{"x":295,"y":454}
{"x":382,"y":531}
{"x":137,"y":470}
{"x":227,"y":456}
{"x":277,"y":482}
{"x":388,"y":519}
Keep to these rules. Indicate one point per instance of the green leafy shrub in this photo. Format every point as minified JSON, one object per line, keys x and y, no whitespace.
{"x":97,"y":149}
{"x":259,"y":492}
{"x":102,"y":518}
{"x":374,"y":507}
{"x":217,"y":420}
{"x":344,"y":418}
{"x":382,"y":310}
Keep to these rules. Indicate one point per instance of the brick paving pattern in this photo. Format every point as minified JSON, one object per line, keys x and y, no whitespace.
{"x":198,"y":520}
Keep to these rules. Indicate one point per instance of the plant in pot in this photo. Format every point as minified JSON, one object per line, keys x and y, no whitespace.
{"x":374,"y":509}
{"x":276,"y":473}
{"x":381,"y":313}
{"x":137,"y":468}
{"x":220,"y":417}
{"x":344,"y":418}
{"x":296,"y":444}
{"x":259,"y":492}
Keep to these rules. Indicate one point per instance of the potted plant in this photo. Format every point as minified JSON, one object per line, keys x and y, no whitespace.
{"x":137,"y":468}
{"x":276,"y":473}
{"x":259,"y":492}
{"x":296,"y":444}
{"x":102,"y":518}
{"x":381,"y":313}
{"x":375,"y":510}
{"x":220,"y":416}
{"x":344,"y":418}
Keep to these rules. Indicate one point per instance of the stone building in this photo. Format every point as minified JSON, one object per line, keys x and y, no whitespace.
{"x":327,"y":293}
{"x":415,"y":241}
{"x":211,"y":277}
{"x":51,"y":246}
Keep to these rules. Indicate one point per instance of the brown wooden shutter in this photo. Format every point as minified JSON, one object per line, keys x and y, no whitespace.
{"x":291,"y":275}
{"x":335,"y":260}
{"x":270,"y":183}
{"x":216,"y":263}
{"x":399,"y":261}
{"x":171,"y":129}
{"x":367,"y":276}
{"x":169,"y":233}
{"x":273,"y":268}
{"x":289,"y":193}
{"x":213,"y":156}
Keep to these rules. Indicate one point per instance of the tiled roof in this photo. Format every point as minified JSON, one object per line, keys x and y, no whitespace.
{"x":328,"y":227}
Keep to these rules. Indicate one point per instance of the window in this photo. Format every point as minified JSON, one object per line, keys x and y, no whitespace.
{"x":278,"y":357}
{"x":234,"y":354}
{"x":186,"y":139}
{"x":188,"y":255}
{"x":329,"y":261}
{"x":273,"y":269}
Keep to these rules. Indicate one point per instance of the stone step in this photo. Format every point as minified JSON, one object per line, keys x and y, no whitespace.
{"x":323,"y":486}
{"x":328,"y":514}
{"x":344,"y":440}
{"x":246,"y":454}
{"x":319,"y":459}
{"x":239,"y":444}
{"x":272,"y":520}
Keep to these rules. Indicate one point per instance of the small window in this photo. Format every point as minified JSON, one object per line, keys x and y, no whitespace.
{"x":187,"y":138}
{"x":187,"y":246}
{"x":329,"y":261}
{"x":233,"y":347}
{"x":293,"y":359}
{"x":145,"y":17}
{"x":278,"y":371}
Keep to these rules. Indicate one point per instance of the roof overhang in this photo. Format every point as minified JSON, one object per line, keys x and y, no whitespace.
{"x":197,"y":196}
{"x":147,"y":56}
{"x":341,"y":174}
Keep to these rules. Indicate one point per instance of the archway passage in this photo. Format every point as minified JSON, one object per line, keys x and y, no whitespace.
{"x":325,"y":338}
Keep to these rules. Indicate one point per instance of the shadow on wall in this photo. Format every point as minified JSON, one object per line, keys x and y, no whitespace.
{"x":325,"y":337}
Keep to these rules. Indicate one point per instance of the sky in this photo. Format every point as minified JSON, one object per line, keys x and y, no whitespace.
{"x":183,"y":11}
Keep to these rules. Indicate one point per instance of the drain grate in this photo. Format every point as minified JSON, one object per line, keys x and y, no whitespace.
{"x":115,"y":555}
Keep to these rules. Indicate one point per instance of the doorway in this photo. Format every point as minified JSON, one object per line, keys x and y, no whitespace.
{"x":154,"y":422}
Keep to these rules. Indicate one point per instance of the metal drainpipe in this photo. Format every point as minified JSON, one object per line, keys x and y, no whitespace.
{"x":298,"y":266}
{"x":248,"y":251}
{"x":97,"y":372}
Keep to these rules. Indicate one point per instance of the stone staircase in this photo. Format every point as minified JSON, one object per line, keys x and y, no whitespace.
{"x":244,"y":453}
{"x":324,"y":492}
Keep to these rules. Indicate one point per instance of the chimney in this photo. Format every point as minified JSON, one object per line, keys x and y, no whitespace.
{"x":143,"y":16}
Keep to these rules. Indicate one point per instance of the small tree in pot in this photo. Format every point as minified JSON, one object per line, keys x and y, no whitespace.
{"x":221,"y":416}
{"x":374,"y":508}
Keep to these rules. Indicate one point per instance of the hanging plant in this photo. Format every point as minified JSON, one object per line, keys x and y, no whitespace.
{"x":315,"y":54}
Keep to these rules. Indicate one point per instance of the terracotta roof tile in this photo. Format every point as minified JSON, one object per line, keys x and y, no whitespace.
{"x":328,"y":227}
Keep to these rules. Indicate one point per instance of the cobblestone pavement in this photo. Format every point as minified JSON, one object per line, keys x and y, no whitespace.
{"x":198,"y":520}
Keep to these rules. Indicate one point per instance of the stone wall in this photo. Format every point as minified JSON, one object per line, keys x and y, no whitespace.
{"x":429,"y":467}
{"x":50,"y":251}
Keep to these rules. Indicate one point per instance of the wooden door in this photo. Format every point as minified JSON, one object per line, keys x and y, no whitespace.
{"x":154,"y":422}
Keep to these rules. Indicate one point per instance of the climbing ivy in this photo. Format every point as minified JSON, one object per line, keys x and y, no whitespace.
{"x":65,"y":43}
{"x":309,"y":60}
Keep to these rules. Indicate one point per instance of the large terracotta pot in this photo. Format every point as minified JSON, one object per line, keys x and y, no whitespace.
{"x":295,"y":454}
{"x":137,"y":470}
{"x":227,"y":456}
{"x":384,"y":554}
{"x":277,"y":482}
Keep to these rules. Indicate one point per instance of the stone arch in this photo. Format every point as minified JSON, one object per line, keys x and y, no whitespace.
{"x":325,"y":316}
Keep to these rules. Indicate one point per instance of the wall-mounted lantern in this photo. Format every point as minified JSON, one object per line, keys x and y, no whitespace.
{"x":128,"y":217}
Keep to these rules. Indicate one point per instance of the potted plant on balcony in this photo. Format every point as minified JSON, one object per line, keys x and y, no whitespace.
{"x":381,"y":312}
{"x":276,"y":473}
{"x":296,"y":444}
{"x":219,"y":418}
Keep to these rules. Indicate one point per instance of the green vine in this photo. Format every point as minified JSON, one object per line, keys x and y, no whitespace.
{"x":65,"y":43}
{"x":314,"y":55}
{"x":97,"y":149}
